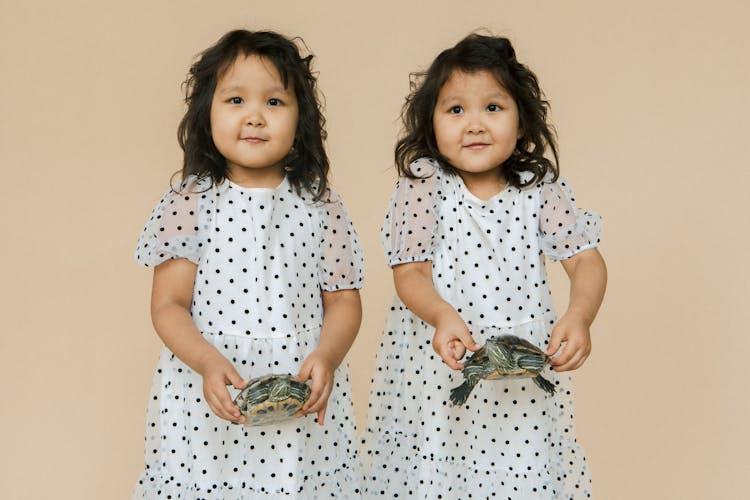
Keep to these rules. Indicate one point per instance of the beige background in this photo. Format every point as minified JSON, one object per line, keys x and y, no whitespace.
{"x":650,"y":100}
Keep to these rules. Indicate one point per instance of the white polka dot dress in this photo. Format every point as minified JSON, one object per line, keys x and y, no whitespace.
{"x":263,"y":257}
{"x":510,"y":440}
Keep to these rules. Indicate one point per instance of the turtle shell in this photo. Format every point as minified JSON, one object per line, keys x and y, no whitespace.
{"x":512,"y":357}
{"x":503,"y":356}
{"x":271,"y":399}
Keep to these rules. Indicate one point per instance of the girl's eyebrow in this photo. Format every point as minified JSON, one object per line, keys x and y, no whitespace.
{"x":241,"y":88}
{"x":448,"y":98}
{"x":229,"y":90}
{"x":500,"y":94}
{"x":492,"y":95}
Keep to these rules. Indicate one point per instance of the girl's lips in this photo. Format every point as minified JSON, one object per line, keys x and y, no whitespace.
{"x":476,"y":145}
{"x":253,"y":140}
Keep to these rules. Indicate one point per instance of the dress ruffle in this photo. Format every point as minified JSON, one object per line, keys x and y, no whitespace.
{"x":397,"y":471}
{"x":584,"y":234}
{"x":246,"y":462}
{"x":342,"y":482}
{"x":509,"y":437}
{"x":263,"y":256}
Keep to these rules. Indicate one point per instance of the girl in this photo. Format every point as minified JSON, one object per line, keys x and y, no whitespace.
{"x":256,"y":270}
{"x":475,"y":211}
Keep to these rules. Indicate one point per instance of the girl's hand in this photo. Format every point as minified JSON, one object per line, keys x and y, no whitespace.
{"x":574,"y":331}
{"x":319,"y":368}
{"x":588,"y":278}
{"x":218,"y":372}
{"x":452,"y":338}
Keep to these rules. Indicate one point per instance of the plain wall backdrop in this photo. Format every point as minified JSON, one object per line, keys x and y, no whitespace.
{"x":650,"y":101}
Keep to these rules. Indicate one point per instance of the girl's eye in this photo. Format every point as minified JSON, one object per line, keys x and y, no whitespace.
{"x":274,"y":102}
{"x":493,"y":108}
{"x":456,"y":110}
{"x":235,"y":100}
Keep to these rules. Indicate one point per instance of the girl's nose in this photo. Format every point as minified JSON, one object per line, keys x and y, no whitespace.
{"x":254,"y":118}
{"x":475,"y":125}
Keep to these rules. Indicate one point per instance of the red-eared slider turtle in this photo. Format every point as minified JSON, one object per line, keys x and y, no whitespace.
{"x":504,"y":356}
{"x":271,"y":399}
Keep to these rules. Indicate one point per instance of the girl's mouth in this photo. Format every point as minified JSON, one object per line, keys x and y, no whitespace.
{"x":476,"y":145}
{"x":253,"y":140}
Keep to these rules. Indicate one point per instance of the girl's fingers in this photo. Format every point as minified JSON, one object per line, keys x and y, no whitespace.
{"x":310,"y":403}
{"x":231,"y":409}
{"x":571,"y":365}
{"x":436,"y":346}
{"x":579,"y":360}
{"x":222,"y":405}
{"x":573,"y":359}
{"x":320,"y":406}
{"x":458,"y":350}
{"x":305,"y":372}
{"x":314,"y":396}
{"x":322,"y":414}
{"x":554,"y":343}
{"x":236,"y":381}
{"x":452,"y":346}
{"x":316,"y":389}
{"x":468,"y":341}
{"x":563,"y":357}
{"x":217,"y":408}
{"x":316,"y":405}
{"x":446,"y":353}
{"x":226,"y":401}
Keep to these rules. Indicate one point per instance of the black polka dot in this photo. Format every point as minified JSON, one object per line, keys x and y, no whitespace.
{"x":258,"y":300}
{"x":510,"y":439}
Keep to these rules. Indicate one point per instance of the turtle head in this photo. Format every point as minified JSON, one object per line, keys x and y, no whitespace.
{"x":499,"y":351}
{"x":280,"y":389}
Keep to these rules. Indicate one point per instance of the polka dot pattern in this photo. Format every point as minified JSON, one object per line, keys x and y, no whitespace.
{"x":263,"y":257}
{"x":510,"y":440}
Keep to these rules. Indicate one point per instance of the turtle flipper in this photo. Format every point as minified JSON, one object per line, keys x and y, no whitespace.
{"x":545,"y":385}
{"x":460,"y":394}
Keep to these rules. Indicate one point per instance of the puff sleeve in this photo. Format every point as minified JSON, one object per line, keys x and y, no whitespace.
{"x":565,"y":230}
{"x":172,"y":230}
{"x":408,"y":229}
{"x":342,"y":262}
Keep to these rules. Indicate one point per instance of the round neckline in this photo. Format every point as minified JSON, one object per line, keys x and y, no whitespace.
{"x":245,"y":189}
{"x":476,"y":199}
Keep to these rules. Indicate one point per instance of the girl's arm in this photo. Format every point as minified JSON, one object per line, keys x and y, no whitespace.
{"x":342,"y":314}
{"x":588,"y":280}
{"x":415,"y":289}
{"x":171,"y":297}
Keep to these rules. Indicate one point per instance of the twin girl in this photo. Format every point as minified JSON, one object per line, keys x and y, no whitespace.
{"x":257,"y":268}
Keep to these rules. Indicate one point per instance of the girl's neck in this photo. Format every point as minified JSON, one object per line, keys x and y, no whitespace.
{"x":484,"y":185}
{"x":269,"y":177}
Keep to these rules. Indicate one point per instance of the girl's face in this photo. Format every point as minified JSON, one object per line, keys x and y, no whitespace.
{"x":475,"y":123}
{"x":253,"y":121}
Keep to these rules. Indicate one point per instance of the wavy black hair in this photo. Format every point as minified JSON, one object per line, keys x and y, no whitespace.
{"x":307,"y":162}
{"x":480,"y":53}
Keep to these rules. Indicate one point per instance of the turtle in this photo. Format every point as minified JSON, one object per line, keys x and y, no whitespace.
{"x":271,"y":399}
{"x":503,"y":356}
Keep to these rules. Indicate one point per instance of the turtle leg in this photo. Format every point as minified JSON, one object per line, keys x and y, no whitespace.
{"x":460,"y":394}
{"x":473,"y":372}
{"x":545,"y":385}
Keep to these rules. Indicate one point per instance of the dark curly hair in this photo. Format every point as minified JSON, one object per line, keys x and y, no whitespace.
{"x":480,"y":53}
{"x":307,"y":161}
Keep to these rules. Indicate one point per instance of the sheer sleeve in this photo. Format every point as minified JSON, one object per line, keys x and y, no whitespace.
{"x":342,"y":265}
{"x":565,"y":230}
{"x":172,"y":230}
{"x":409,"y":226}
